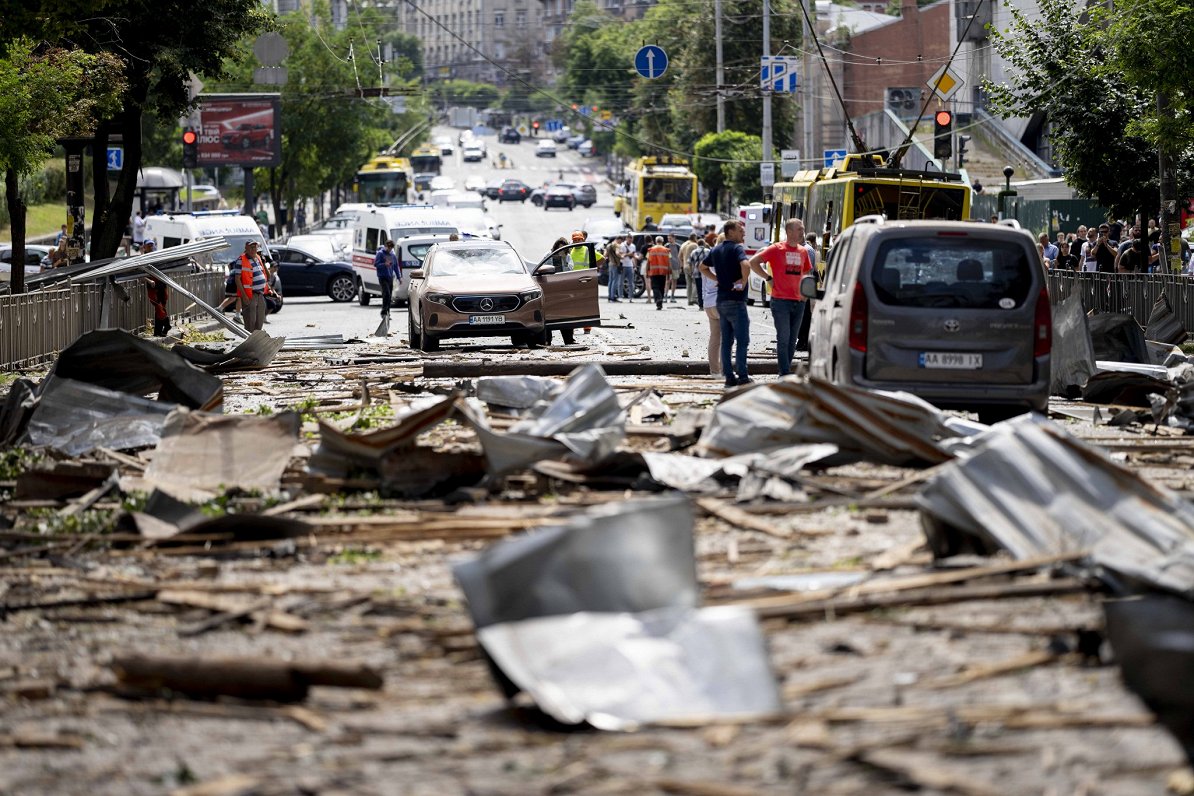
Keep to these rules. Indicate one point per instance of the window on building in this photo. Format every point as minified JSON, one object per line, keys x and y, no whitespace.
{"x":499,"y":19}
{"x":520,"y":18}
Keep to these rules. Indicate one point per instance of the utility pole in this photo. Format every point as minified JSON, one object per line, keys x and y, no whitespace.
{"x":806,"y":86}
{"x":766,"y":89}
{"x":1169,"y":223}
{"x":721,"y":73}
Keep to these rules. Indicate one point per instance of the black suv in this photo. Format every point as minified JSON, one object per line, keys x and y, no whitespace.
{"x":510,"y":136}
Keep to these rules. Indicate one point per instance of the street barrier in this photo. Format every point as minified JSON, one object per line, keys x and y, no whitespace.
{"x":1133,"y":294}
{"x":35,"y":326}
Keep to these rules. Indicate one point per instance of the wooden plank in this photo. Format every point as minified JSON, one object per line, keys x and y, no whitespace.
{"x":984,"y":671}
{"x":738,"y":518}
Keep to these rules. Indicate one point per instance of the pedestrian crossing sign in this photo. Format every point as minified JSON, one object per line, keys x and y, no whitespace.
{"x":945,"y":82}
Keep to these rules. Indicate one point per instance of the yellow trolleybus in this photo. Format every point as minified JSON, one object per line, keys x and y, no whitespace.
{"x":384,"y":180}
{"x":658,"y":185}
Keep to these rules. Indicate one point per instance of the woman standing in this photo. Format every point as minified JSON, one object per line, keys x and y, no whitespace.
{"x":709,"y":299}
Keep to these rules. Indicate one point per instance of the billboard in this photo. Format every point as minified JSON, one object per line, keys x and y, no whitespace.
{"x":240,"y":130}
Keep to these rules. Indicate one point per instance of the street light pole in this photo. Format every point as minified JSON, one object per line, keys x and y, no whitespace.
{"x":721,"y":72}
{"x":766,"y":89}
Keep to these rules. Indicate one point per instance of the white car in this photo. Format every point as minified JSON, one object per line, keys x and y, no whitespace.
{"x":442,"y":183}
{"x":473,"y":152}
{"x":325,"y":247}
{"x":474,"y":182}
{"x":545,"y":149}
{"x":444,"y":144}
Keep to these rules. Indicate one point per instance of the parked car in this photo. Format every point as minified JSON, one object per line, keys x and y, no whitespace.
{"x":573,"y":141}
{"x":545,"y":149}
{"x":247,"y":136}
{"x":587,"y":149}
{"x":509,"y":135}
{"x":494,"y":186}
{"x":561,"y":135}
{"x":473,"y":152}
{"x":513,"y":191}
{"x":483,"y":288}
{"x":444,"y":144}
{"x":559,"y":196}
{"x":677,"y":224}
{"x":955,"y":313}
{"x":442,"y":183}
{"x":306,"y":273}
{"x":474,"y":182}
{"x":586,"y":194}
{"x":35,"y":255}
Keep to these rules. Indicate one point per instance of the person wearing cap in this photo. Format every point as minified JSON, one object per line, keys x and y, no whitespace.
{"x":659,"y":268}
{"x":579,"y":254}
{"x":251,"y":287}
{"x":159,"y":294}
{"x":649,"y":225}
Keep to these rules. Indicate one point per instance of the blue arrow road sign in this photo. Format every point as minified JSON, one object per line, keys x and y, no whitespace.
{"x":832,"y":156}
{"x":779,"y":73}
{"x":650,"y":61}
{"x":551,"y":125}
{"x":115,"y":158}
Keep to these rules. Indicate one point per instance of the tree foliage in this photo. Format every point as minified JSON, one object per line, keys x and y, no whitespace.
{"x":727,"y":163}
{"x":1104,"y":125}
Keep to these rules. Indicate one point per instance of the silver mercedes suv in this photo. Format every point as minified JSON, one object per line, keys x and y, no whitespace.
{"x":956,"y":313}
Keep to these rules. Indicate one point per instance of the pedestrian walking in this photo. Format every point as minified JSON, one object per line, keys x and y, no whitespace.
{"x":789,"y":263}
{"x":614,"y":270}
{"x":659,"y":268}
{"x":138,"y":231}
{"x":686,"y":250}
{"x":708,"y":298}
{"x":159,"y":294}
{"x":251,"y":287}
{"x":629,"y":255}
{"x":695,"y":258}
{"x":385,"y":262}
{"x":728,"y":265}
{"x":673,"y":278}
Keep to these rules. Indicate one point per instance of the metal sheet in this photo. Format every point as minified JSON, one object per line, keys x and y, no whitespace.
{"x":253,"y":353}
{"x":340,"y":450}
{"x":1031,"y":488}
{"x":1072,"y":358}
{"x":75,"y":417}
{"x":617,"y":671}
{"x":626,"y":557}
{"x":517,"y":392}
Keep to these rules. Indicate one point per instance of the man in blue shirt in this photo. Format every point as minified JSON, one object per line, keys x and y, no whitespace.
{"x":728,"y":265}
{"x":388,"y":267}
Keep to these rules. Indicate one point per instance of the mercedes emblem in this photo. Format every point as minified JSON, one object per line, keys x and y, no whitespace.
{"x":487,"y":304}
{"x":952,"y":325}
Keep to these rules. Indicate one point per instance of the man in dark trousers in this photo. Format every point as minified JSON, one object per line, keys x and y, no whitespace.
{"x":728,"y":265}
{"x":386,"y":263}
{"x":159,"y":294}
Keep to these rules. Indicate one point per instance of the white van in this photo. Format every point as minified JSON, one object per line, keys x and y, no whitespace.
{"x":374,"y":227}
{"x":475,"y":222}
{"x":175,"y":229}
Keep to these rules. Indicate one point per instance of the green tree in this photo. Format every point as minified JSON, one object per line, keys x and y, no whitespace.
{"x":464,"y":92}
{"x":46,"y":94}
{"x":1104,"y":125}
{"x":727,"y":166}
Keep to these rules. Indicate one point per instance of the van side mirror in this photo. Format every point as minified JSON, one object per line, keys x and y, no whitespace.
{"x":417,"y":273}
{"x":808,"y":288}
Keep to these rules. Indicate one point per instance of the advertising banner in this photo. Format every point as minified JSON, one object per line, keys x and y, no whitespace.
{"x":240,"y":130}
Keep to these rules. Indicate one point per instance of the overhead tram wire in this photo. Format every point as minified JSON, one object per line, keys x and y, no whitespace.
{"x":893,"y":161}
{"x":812,"y":29}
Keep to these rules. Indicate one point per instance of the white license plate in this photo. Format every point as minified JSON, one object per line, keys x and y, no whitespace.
{"x":949,"y":360}
{"x":484,"y":320}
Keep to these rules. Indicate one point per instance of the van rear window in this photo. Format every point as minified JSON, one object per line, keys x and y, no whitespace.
{"x":952,"y":272}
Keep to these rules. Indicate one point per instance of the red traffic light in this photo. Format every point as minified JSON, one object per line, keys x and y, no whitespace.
{"x":943,"y":118}
{"x":190,"y":137}
{"x":535,"y":125}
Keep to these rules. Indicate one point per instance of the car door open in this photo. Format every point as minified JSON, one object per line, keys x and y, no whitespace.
{"x":569,"y":293}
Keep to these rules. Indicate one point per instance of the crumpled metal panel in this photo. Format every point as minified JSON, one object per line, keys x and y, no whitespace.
{"x":75,"y":417}
{"x":339,"y":450}
{"x":253,"y":353}
{"x":1072,"y":359}
{"x":517,"y":392}
{"x":693,"y":474}
{"x":617,"y":671}
{"x":1031,"y":488}
{"x":626,"y":557}
{"x":884,"y":427}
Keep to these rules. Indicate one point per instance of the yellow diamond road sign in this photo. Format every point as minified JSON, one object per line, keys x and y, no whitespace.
{"x":945,"y":82}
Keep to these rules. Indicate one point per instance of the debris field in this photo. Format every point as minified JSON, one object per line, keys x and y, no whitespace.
{"x":326,"y":571}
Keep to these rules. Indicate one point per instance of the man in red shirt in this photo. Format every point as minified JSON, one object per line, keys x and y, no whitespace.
{"x":789,"y":262}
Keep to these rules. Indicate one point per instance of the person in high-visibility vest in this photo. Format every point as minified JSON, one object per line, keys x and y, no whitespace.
{"x":159,"y":294}
{"x":659,"y":268}
{"x":251,"y":287}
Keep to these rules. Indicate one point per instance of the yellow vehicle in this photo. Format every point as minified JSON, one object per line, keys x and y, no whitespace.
{"x":658,"y":185}
{"x":830,"y":200}
{"x":426,"y":160}
{"x":384,"y":180}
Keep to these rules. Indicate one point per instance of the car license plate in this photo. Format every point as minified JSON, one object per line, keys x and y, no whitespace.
{"x":950,"y":360}
{"x":485,"y":320}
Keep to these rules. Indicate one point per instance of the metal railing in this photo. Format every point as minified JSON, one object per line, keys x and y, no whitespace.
{"x":36,"y":326}
{"x":1133,"y":294}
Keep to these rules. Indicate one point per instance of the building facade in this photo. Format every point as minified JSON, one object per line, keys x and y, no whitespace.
{"x":480,"y":40}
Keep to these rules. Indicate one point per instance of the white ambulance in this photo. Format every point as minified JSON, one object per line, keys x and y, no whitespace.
{"x":175,"y":229}
{"x":756,"y":222}
{"x":377,"y":225}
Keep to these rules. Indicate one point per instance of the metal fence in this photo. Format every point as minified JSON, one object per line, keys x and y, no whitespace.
{"x":1133,"y":294}
{"x":36,"y":326}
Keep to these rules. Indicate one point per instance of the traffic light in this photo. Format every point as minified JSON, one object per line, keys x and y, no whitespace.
{"x":943,"y":133}
{"x":963,"y":140}
{"x":190,"y":148}
{"x":535,"y":127}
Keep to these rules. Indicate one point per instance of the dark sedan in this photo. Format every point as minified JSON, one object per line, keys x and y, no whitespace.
{"x":493,"y":187}
{"x":305,"y":274}
{"x":559,"y":196}
{"x":513,"y":191}
{"x":510,"y":136}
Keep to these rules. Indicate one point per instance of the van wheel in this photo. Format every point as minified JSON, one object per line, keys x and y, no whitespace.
{"x":997,"y":414}
{"x":363,"y":298}
{"x":342,"y":288}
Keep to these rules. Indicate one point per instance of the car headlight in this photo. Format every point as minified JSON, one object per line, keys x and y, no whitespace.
{"x":438,"y":298}
{"x":530,"y":295}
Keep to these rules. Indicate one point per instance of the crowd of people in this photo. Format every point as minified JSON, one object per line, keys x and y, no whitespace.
{"x":1107,"y":249}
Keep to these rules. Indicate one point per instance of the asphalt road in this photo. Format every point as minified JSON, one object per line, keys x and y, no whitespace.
{"x":678,"y":331}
